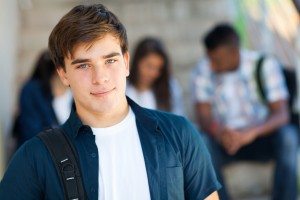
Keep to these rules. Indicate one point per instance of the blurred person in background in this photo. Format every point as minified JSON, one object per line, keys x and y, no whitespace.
{"x":151,"y":83}
{"x":239,"y":125}
{"x":44,"y":101}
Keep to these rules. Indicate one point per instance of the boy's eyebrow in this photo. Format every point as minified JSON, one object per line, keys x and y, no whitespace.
{"x":80,"y":60}
{"x":76,"y":61}
{"x":113,"y":54}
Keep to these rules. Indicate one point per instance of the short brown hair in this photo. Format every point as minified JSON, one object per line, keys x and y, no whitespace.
{"x":84,"y":24}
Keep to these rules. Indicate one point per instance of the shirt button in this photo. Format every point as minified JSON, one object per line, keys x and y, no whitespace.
{"x":93,"y":155}
{"x":93,"y":189}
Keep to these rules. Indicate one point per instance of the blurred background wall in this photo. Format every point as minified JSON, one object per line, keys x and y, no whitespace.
{"x":9,"y":36}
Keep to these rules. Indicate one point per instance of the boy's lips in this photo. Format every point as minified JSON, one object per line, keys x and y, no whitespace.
{"x":101,"y":92}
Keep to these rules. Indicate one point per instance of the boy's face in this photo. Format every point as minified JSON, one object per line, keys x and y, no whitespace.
{"x":224,"y":58}
{"x":97,"y":75}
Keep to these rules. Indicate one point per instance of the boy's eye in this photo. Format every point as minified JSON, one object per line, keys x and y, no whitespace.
{"x":82,"y":66}
{"x":110,"y":61}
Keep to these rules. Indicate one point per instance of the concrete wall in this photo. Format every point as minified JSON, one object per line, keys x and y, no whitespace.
{"x":8,"y":55}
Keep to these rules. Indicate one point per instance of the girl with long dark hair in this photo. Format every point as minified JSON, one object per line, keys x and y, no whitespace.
{"x":150,"y":82}
{"x":44,"y":101}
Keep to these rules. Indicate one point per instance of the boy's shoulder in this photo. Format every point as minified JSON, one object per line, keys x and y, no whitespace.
{"x":33,"y":153}
{"x":172,"y":125}
{"x":166,"y":117}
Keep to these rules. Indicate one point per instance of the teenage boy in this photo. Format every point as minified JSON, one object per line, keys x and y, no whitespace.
{"x":124,"y":150}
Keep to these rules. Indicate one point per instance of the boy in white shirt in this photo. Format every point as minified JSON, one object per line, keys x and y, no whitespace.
{"x":124,"y":151}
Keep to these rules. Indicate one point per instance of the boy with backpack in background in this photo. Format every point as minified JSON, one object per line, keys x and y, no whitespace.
{"x":241,"y":103}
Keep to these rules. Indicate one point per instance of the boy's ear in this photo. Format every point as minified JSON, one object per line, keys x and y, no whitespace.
{"x":127,"y":60}
{"x":63,"y":76}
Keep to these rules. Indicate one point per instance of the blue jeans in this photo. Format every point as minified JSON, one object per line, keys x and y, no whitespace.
{"x":281,"y":146}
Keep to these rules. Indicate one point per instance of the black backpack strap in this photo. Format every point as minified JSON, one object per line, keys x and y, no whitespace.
{"x":65,"y":159}
{"x":259,"y":79}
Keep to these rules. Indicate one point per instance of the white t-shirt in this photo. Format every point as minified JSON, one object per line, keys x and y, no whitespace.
{"x":122,"y":171}
{"x":62,"y":106}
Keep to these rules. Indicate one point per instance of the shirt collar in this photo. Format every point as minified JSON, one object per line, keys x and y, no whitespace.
{"x":143,"y":115}
{"x":74,"y":125}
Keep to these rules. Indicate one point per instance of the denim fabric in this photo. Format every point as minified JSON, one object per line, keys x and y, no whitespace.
{"x":281,"y":146}
{"x":177,"y":162}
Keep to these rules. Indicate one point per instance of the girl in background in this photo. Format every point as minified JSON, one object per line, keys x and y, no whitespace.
{"x":150,"y":83}
{"x":44,"y":101}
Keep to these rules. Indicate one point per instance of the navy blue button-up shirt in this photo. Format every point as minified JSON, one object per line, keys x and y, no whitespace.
{"x":177,"y":162}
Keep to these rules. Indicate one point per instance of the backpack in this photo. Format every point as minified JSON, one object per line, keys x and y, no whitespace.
{"x":65,"y":159}
{"x":291,"y":83}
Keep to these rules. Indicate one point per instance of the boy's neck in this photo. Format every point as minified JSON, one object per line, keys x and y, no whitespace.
{"x":105,"y":119}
